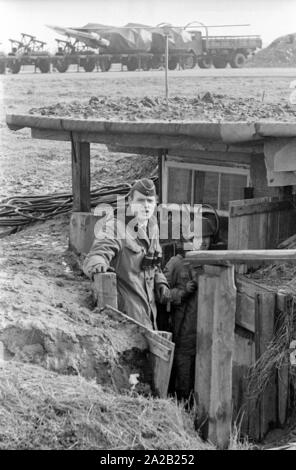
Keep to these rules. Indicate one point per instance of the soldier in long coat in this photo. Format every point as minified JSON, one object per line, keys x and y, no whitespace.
{"x":131,"y":247}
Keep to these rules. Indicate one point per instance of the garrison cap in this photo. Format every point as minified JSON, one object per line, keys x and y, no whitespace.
{"x":144,"y":186}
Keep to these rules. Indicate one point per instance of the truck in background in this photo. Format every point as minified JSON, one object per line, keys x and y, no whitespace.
{"x":133,"y":46}
{"x":27,"y":51}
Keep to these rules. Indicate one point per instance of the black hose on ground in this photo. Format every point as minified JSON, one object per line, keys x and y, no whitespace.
{"x":19,"y":211}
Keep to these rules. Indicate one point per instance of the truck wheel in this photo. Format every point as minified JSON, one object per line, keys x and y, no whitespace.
{"x":205,"y":62}
{"x":2,"y":67}
{"x":15,"y":66}
{"x":188,"y":62}
{"x":132,"y":64}
{"x":105,"y":64}
{"x":219,"y":62}
{"x":44,"y":65}
{"x":238,"y":60}
{"x":89,"y":64}
{"x":156,"y":62}
{"x":146,"y":63}
{"x":61,"y":65}
{"x":173,"y":62}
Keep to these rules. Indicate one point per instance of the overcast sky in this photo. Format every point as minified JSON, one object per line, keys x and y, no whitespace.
{"x":268,"y":18}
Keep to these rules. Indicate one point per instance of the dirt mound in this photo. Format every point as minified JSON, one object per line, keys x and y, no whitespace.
{"x":208,"y":106}
{"x":280,"y":53}
{"x":47,"y":316}
{"x":44,"y":410}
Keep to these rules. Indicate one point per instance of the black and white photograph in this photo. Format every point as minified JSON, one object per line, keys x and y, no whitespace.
{"x":147,"y":228}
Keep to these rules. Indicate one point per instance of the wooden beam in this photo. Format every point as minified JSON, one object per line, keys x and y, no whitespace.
{"x":228,"y":132}
{"x":161,"y":158}
{"x":211,"y":153}
{"x":264,"y":332}
{"x":274,"y":154}
{"x":215,"y":345}
{"x":258,"y":206}
{"x":160,"y":346}
{"x":240,"y":256}
{"x":105,"y":290}
{"x":81,"y":176}
{"x":130,"y":140}
{"x":283,"y":372}
{"x":283,"y":153}
{"x":150,"y":143}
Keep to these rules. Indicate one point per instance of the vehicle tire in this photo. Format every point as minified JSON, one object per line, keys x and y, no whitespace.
{"x":155,"y":62}
{"x":61,"y":64}
{"x":89,"y":64}
{"x":15,"y":66}
{"x":188,"y":62}
{"x":43,"y":65}
{"x":173,"y":62}
{"x":2,"y":67}
{"x":105,"y":64}
{"x":146,"y":63}
{"x":132,"y":64}
{"x":238,"y":60}
{"x":205,"y":62}
{"x":219,"y":62}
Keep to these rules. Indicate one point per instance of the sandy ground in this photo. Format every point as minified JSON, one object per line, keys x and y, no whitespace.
{"x":38,"y":281}
{"x":28,"y":165}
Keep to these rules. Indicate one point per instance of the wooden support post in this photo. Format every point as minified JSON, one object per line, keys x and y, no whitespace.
{"x":264,"y":331}
{"x":81,"y":176}
{"x":105,"y":290}
{"x":215,"y":345}
{"x":161,"y":157}
{"x":282,"y":372}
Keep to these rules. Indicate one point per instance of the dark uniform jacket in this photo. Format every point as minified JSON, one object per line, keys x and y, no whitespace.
{"x":184,"y":319}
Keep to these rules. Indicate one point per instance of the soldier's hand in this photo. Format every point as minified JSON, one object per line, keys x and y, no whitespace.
{"x":100,"y":268}
{"x":191,"y":287}
{"x":164,"y":293}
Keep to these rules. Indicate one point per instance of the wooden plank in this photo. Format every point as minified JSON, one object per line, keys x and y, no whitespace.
{"x":162,"y":339}
{"x":283,"y":152}
{"x":240,"y":256}
{"x":215,"y":344}
{"x":162,"y":364}
{"x":232,"y":132}
{"x":252,"y":406}
{"x":199,"y":129}
{"x":282,"y":372}
{"x":161,"y":348}
{"x":48,"y":134}
{"x":129,"y":140}
{"x":276,"y":129}
{"x":81,"y":176}
{"x":281,"y":178}
{"x":105,"y":289}
{"x":229,"y":154}
{"x":238,"y":132}
{"x":212,"y":152}
{"x":255,"y":206}
{"x":264,"y":318}
{"x":245,"y":311}
{"x":243,"y":408}
{"x":161,"y":160}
